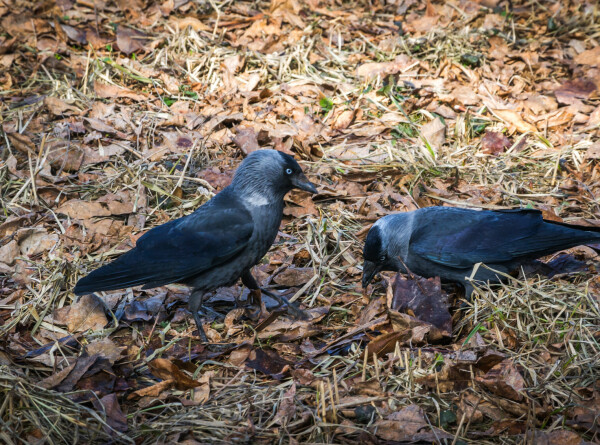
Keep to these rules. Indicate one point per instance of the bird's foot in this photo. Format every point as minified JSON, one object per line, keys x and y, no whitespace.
{"x":256,"y":309}
{"x":201,"y":332}
{"x":292,"y":309}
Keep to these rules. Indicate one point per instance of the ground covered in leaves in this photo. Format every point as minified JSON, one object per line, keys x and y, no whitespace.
{"x":117,"y":116}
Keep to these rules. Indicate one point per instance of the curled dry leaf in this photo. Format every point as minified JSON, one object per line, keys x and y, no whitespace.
{"x":504,"y":380}
{"x":513,"y":119}
{"x":167,"y":370}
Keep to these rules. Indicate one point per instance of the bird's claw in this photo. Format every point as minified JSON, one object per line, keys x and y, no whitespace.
{"x":292,"y":309}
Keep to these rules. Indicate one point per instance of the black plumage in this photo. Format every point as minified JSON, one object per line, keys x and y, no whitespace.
{"x":215,"y":245}
{"x":448,"y":242}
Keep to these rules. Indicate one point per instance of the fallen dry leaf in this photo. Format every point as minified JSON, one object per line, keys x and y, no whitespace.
{"x":435,"y":133}
{"x":513,"y":119}
{"x":166,"y":370}
{"x":294,"y":276}
{"x":504,"y":380}
{"x":86,"y":313}
{"x":423,"y":299}
{"x":494,"y":143}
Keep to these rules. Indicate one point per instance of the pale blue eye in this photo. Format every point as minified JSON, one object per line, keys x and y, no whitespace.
{"x":288,"y":171}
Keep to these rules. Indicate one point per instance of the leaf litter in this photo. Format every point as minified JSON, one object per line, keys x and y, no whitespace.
{"x":117,"y":117}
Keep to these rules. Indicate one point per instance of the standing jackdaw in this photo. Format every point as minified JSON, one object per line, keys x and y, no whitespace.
{"x":448,"y":242}
{"x":218,"y":243}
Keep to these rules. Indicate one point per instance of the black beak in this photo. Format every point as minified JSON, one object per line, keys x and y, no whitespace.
{"x":370,"y":269}
{"x":301,"y":182}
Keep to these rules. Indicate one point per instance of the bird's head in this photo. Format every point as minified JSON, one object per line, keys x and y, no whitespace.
{"x":380,"y":251}
{"x":271,"y":172}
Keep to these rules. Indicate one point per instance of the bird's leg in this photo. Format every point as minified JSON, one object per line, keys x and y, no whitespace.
{"x":251,"y":284}
{"x":195,"y":302}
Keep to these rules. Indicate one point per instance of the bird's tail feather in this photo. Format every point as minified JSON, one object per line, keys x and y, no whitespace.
{"x":126,"y":271}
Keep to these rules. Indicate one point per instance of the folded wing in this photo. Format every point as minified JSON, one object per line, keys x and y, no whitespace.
{"x":462,"y":239}
{"x":175,"y":251}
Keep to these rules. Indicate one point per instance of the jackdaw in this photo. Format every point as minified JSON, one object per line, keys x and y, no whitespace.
{"x":218,"y":243}
{"x":448,"y":242}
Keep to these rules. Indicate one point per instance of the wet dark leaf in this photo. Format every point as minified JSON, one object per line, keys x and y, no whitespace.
{"x":424,"y":299}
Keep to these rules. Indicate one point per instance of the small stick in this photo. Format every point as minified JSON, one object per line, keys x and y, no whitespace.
{"x":376,"y":363}
{"x":462,"y":420}
{"x":335,"y":387}
{"x":332,"y":401}
{"x":365,"y":361}
{"x":323,"y":408}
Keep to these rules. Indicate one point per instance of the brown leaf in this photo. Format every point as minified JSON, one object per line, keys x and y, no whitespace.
{"x":513,"y":118}
{"x":105,"y":348}
{"x":55,"y":379}
{"x":434,"y":132}
{"x":86,"y":313}
{"x":285,"y":330}
{"x":114,"y":415}
{"x":78,"y":209}
{"x":101,"y":154}
{"x":9,"y":252}
{"x":408,"y":425}
{"x":574,"y":90}
{"x":425,"y":299}
{"x":287,"y":407}
{"x":84,"y":363}
{"x":59,"y":107}
{"x":590,"y":57}
{"x":22,"y":142}
{"x":75,"y":34}
{"x":113,"y":91}
{"x":246,"y":140}
{"x":294,"y":276}
{"x":593,"y":151}
{"x":152,"y":391}
{"x":343,"y":119}
{"x":504,"y":380}
{"x":219,"y":179}
{"x":373,"y":69}
{"x":130,"y":40}
{"x":494,"y":143}
{"x":268,"y":362}
{"x":556,"y":437}
{"x":166,"y":370}
{"x":386,"y":343}
{"x":584,"y":416}
{"x":183,"y":22}
{"x":65,"y":156}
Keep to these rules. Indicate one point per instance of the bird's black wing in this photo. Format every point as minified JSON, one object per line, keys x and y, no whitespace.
{"x":176,"y":250}
{"x":462,"y":238}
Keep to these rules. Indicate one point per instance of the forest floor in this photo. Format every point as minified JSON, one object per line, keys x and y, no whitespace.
{"x":117,"y":116}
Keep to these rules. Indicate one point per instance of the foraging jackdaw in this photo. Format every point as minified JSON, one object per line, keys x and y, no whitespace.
{"x":218,"y":243}
{"x":448,"y":242}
